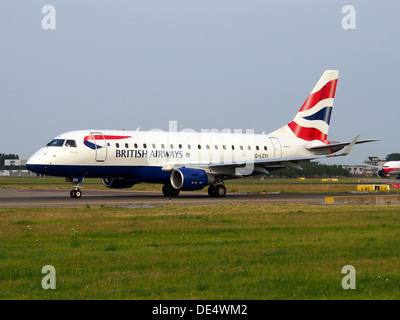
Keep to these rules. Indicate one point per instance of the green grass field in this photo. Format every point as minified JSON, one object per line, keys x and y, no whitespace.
{"x":201,"y":252}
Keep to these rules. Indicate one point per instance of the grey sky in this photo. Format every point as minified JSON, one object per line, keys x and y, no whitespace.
{"x":206,"y":64}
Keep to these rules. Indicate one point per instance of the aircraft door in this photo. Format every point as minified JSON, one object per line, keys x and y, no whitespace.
{"x":277,"y":147}
{"x":100,"y":146}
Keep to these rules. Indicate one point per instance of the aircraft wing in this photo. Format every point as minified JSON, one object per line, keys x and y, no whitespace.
{"x":241,"y":168}
{"x":370,"y":166}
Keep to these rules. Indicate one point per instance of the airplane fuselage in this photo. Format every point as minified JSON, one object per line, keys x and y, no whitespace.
{"x":145,"y":156}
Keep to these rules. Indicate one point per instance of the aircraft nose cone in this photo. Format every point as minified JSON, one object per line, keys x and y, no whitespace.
{"x":31,"y":166}
{"x":35,"y":162}
{"x":34,"y":159}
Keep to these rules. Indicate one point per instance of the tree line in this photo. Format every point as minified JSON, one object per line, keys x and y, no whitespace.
{"x":393,"y":157}
{"x":313,"y":170}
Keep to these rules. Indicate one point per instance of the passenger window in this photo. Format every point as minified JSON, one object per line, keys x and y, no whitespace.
{"x":70,"y":143}
{"x":162,"y":146}
{"x":126,"y":145}
{"x":189,"y":146}
{"x":241,"y":147}
{"x":117,"y":145}
{"x":144,"y":145}
{"x":180,"y":146}
{"x":233,"y":147}
{"x":199,"y":146}
{"x":224,"y":147}
{"x":257,"y":148}
{"x":154,"y":145}
{"x":171,"y":146}
{"x":249,"y":147}
{"x":216,"y":147}
{"x":135,"y":145}
{"x":265,"y":148}
{"x":208,"y":147}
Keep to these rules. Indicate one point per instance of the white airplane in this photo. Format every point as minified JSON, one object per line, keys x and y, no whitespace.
{"x":391,"y":168}
{"x":184,"y":161}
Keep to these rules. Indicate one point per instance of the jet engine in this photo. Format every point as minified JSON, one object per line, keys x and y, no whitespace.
{"x":381,"y":173}
{"x":187,"y":179}
{"x":117,"y":183}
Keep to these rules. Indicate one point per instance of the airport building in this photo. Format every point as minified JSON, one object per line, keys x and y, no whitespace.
{"x":364,"y":170}
{"x":16,"y":168}
{"x":355,"y":170}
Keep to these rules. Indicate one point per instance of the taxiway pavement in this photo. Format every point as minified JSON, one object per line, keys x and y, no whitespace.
{"x":40,"y":198}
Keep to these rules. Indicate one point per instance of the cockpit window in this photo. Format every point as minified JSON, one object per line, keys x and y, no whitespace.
{"x":56,"y":143}
{"x":70,"y":143}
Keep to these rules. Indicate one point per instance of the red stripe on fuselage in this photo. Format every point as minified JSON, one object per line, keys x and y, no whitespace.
{"x":327,"y":91}
{"x":388,"y":170}
{"x":101,"y":137}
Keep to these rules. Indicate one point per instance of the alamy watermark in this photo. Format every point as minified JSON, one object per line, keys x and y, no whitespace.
{"x":349,"y":20}
{"x":49,"y":281}
{"x":238,"y":147}
{"x":49,"y":20}
{"x":349,"y":281}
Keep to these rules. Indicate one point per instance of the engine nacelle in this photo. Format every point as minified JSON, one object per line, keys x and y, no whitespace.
{"x":381,"y":173}
{"x":117,"y":183}
{"x":187,"y":179}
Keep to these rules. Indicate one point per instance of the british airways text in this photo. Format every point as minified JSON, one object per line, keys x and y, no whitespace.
{"x":148,"y":154}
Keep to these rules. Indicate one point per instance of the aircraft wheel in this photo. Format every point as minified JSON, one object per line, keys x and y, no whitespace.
{"x":211,"y":190}
{"x":75,"y":193}
{"x":170,"y":191}
{"x":78,"y":193}
{"x":220,"y":190}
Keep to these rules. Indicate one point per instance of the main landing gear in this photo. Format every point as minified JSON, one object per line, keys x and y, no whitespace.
{"x":76,"y":192}
{"x":169,"y":191}
{"x":217,"y":190}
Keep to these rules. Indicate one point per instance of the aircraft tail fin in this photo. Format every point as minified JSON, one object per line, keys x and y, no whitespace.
{"x":312,"y":121}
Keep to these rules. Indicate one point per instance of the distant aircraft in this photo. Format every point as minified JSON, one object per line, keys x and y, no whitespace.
{"x":184,"y":161}
{"x":391,"y":168}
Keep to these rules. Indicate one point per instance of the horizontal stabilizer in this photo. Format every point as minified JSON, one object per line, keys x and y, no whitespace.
{"x":338,"y":146}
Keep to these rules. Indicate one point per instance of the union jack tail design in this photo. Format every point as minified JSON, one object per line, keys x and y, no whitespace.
{"x":312,"y":121}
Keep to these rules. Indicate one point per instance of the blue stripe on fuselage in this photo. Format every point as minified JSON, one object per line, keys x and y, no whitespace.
{"x":91,"y":145}
{"x":139,"y":173}
{"x":148,"y":174}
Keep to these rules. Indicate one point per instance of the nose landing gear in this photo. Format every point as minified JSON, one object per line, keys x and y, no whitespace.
{"x":76,"y":192}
